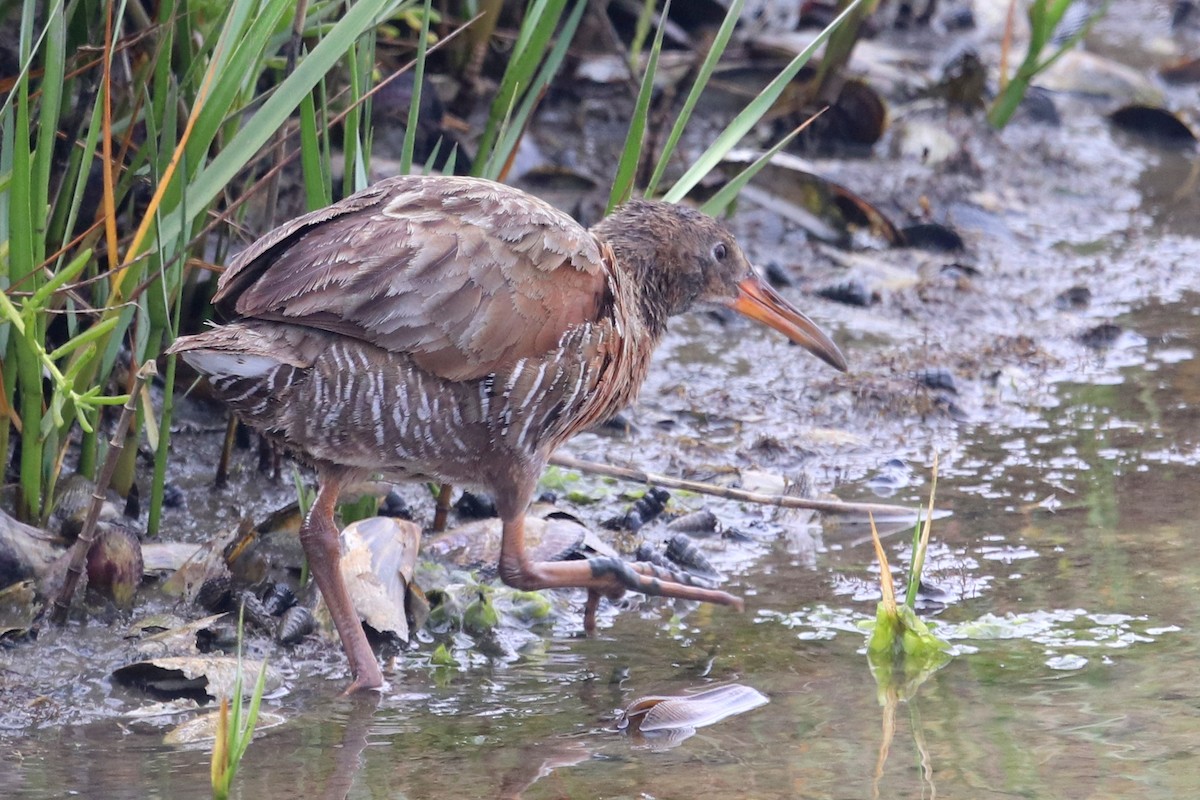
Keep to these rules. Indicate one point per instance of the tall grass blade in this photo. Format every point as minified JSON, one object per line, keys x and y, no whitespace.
{"x":537,"y":27}
{"x":720,"y":202}
{"x":511,"y":132}
{"x":741,"y":125}
{"x":703,"y":75}
{"x":213,"y":178}
{"x":414,"y":106}
{"x":631,"y":153}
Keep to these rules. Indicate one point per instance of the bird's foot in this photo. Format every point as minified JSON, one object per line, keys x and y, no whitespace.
{"x":363,"y":666}
{"x":651,"y":579}
{"x":365,"y":680}
{"x":611,"y":577}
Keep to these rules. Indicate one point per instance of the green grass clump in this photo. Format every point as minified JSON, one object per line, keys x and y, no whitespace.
{"x":901,"y":643}
{"x":235,"y":726}
{"x":125,"y":143}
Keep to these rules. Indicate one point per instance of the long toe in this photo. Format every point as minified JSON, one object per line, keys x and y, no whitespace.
{"x":611,"y":577}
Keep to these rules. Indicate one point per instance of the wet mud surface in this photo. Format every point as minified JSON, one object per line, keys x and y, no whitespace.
{"x":1050,"y":366}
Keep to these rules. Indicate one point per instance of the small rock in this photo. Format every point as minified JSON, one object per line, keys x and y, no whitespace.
{"x":475,"y":506}
{"x":1101,"y":336}
{"x":851,"y":293}
{"x":1074,"y":299}
{"x":936,"y":378}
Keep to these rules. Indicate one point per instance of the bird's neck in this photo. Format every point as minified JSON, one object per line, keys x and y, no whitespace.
{"x":652,"y":299}
{"x":639,"y":235}
{"x":641,"y":288}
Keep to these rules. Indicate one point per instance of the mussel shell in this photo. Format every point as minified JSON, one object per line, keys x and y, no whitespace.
{"x":933,"y":236}
{"x":216,"y":593}
{"x":681,"y":712}
{"x":254,"y":612}
{"x":296,"y":623}
{"x":859,"y":115}
{"x":649,"y":555}
{"x":114,"y":564}
{"x":1153,"y":123}
{"x":684,"y":552}
{"x":278,"y":598}
{"x":702,"y":521}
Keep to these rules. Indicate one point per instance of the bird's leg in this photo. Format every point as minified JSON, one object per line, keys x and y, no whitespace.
{"x":319,"y":537}
{"x":589,"y":611}
{"x":606,"y":576}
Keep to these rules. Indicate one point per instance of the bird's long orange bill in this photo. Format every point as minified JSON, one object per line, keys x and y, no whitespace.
{"x":760,"y":302}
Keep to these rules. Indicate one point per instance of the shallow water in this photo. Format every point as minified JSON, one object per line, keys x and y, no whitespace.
{"x":1092,"y":696}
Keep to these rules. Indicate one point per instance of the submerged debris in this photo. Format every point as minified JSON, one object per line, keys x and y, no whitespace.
{"x":667,"y":720}
{"x":210,"y":676}
{"x":26,"y":552}
{"x":203,"y":728}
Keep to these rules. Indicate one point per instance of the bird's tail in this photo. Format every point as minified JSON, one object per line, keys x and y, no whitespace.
{"x":251,"y":367}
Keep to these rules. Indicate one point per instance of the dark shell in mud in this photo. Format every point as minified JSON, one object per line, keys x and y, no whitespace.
{"x":851,"y":293}
{"x":858,"y":116}
{"x":699,"y":522}
{"x":216,"y":593}
{"x":1156,"y":124}
{"x":933,"y":236}
{"x":278,"y":598}
{"x":1101,"y":336}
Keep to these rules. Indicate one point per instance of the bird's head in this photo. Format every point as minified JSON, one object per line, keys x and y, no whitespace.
{"x":681,"y":258}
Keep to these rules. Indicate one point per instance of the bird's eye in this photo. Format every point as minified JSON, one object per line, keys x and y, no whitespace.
{"x":719,"y":251}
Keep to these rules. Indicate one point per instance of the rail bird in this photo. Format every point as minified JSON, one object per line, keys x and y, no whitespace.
{"x":459,"y":330}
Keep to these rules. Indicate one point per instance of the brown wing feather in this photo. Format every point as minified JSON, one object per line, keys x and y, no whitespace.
{"x":464,"y":275}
